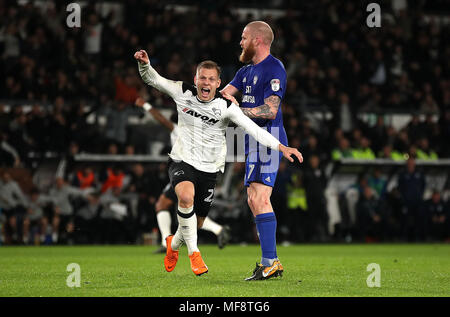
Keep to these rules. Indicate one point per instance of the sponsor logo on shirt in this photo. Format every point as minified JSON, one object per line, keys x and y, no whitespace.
{"x":248,"y":98}
{"x":205,"y":119}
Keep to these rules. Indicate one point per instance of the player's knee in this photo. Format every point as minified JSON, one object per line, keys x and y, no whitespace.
{"x":258,"y":201}
{"x":185,"y":200}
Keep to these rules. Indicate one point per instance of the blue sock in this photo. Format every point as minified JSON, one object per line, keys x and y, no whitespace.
{"x":266,"y":224}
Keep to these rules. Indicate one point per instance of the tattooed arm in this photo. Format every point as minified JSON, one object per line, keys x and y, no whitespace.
{"x":267,"y":111}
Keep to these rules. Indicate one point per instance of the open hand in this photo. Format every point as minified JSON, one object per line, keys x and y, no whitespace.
{"x":289,"y":151}
{"x":230,"y":98}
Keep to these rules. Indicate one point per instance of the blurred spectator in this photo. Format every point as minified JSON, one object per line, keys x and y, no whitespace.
{"x":113,"y":213}
{"x":437,"y":218}
{"x":80,"y":131}
{"x":315,"y":184}
{"x":378,"y":134}
{"x":344,"y":116}
{"x":314,"y":148}
{"x":377,"y":182}
{"x":35,"y":222}
{"x":411,"y":185}
{"x":59,"y":137}
{"x":9,"y":157}
{"x":37,"y":125}
{"x":299,"y":218}
{"x":343,"y":151}
{"x":369,"y":218}
{"x":112,"y":177}
{"x":62,"y":196}
{"x":84,"y":178}
{"x":86,"y":221}
{"x":116,"y":129}
{"x":13,"y":203}
{"x":93,"y":35}
{"x":389,"y":153}
{"x":363,"y":150}
{"x":424,"y":152}
{"x":146,"y":187}
{"x":18,"y":135}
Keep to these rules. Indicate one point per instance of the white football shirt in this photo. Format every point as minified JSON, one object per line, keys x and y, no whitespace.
{"x":202,"y":125}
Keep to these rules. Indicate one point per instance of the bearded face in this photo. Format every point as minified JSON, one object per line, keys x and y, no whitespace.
{"x":247,"y":53}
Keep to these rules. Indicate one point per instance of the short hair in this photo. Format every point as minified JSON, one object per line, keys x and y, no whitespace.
{"x":209,"y":65}
{"x":262,"y":29}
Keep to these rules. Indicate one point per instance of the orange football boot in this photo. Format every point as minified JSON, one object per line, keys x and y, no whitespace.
{"x":197,"y":265}
{"x":171,"y":258}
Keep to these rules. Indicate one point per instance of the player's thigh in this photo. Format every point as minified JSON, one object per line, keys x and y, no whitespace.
{"x":205,"y":187}
{"x":182,"y":179}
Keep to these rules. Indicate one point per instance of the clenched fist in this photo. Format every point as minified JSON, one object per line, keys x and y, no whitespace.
{"x":142,"y":57}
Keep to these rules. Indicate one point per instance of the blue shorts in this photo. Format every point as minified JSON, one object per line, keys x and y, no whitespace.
{"x":262,"y":171}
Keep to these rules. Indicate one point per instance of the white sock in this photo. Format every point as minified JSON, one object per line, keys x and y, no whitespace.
{"x":188,"y":228}
{"x":210,"y":225}
{"x":177,"y":239}
{"x":164,"y":223}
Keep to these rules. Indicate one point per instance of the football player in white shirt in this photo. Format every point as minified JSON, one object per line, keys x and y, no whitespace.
{"x":168,"y":196}
{"x":199,"y":152}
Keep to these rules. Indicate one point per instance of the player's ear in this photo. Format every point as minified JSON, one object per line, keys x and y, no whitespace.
{"x":218,"y":83}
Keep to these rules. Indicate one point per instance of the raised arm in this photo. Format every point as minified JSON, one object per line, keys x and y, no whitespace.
{"x":155,"y":113}
{"x":235,"y":114}
{"x":151,"y":77}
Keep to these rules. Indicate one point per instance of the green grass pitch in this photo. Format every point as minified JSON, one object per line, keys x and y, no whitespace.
{"x":310,"y":270}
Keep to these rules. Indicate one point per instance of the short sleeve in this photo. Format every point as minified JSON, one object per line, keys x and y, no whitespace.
{"x":237,"y":80}
{"x":276,"y":82}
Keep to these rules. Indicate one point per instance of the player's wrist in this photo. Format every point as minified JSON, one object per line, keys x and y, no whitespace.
{"x":147,"y":106}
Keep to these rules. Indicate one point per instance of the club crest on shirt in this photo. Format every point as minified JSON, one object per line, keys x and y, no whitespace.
{"x":275,"y":84}
{"x":255,"y":79}
{"x":216,"y":111}
{"x":244,"y":80}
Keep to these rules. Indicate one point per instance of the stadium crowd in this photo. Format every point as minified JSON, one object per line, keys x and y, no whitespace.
{"x":333,"y":61}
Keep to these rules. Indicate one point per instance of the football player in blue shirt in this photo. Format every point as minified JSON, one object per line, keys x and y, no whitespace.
{"x":262,"y":83}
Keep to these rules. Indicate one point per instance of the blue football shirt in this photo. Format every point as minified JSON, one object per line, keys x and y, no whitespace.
{"x":258,"y":82}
